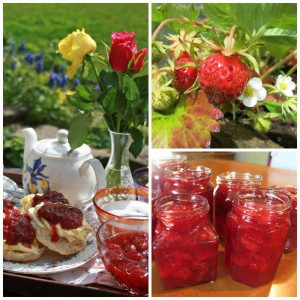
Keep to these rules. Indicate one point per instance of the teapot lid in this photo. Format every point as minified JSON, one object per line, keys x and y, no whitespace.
{"x":60,"y":146}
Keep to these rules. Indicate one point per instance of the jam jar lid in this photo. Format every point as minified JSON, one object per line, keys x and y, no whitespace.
{"x":60,"y":146}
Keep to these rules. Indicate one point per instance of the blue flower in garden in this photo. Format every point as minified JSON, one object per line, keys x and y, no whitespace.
{"x":22,"y":47}
{"x":59,"y":81}
{"x":13,"y":66}
{"x":52,"y":78}
{"x":39,"y":66}
{"x":76,"y":82}
{"x":29,"y":57}
{"x":12,"y":49}
{"x":38,"y":57}
{"x":97,"y":87}
{"x":65,"y":80}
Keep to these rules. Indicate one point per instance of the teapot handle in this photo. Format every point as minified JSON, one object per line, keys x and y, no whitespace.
{"x":99,"y":172}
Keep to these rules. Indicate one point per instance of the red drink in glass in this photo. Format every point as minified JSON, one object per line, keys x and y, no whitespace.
{"x":185,"y":244}
{"x":194,"y":181}
{"x":160,"y":165}
{"x":155,"y":197}
{"x":291,"y":242}
{"x":227,"y":185}
{"x":257,"y":228}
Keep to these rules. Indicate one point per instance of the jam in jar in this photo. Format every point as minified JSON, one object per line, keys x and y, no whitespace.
{"x":227,"y":185}
{"x":257,"y":228}
{"x":161,"y":164}
{"x":192,"y":180}
{"x":185,"y":243}
{"x":291,"y":242}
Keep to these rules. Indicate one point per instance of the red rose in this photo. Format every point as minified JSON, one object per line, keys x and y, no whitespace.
{"x":123,"y":50}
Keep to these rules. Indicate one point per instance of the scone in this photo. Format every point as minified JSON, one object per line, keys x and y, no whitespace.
{"x":60,"y":227}
{"x":33,"y":200}
{"x":19,"y":236}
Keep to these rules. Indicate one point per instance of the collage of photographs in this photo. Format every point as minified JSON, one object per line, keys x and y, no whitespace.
{"x":149,"y":149}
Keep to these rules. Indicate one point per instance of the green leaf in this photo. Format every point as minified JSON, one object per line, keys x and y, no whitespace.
{"x":112,"y":101}
{"x":161,"y":12}
{"x":131,"y":89}
{"x":142,"y":85}
{"x":79,"y":104}
{"x":138,"y":141}
{"x":188,"y":127}
{"x":252,"y":16}
{"x":252,"y":61}
{"x":79,"y":130}
{"x":109,"y":79}
{"x":84,"y":93}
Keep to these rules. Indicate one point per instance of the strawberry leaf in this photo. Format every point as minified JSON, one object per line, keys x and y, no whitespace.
{"x":190,"y":126}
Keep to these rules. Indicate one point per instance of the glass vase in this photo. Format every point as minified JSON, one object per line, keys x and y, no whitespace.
{"x":117,"y":170}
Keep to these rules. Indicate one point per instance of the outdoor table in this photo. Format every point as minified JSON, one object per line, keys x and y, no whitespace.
{"x":34,"y":286}
{"x":285,"y":282}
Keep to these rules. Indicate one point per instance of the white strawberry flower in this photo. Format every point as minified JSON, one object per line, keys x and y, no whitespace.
{"x":253,"y":92}
{"x":285,"y":85}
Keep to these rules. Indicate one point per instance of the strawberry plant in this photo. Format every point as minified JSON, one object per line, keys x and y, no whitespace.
{"x":216,"y":68}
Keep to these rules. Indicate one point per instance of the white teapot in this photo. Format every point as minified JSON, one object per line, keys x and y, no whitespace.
{"x":48,"y":166}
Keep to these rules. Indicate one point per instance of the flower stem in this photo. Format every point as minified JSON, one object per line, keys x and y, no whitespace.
{"x":183,"y":21}
{"x":292,"y":70}
{"x":90,"y":60}
{"x":279,"y":64}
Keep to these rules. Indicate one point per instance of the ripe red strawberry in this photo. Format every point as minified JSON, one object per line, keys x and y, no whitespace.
{"x":184,"y":77}
{"x":223,"y":78}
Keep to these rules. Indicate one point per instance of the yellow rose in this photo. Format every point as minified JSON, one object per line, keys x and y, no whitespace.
{"x":74,"y":47}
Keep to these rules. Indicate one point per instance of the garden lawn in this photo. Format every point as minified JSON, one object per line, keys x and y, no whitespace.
{"x":37,"y":24}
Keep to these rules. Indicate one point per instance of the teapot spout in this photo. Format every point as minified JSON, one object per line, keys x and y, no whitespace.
{"x":30,"y":139}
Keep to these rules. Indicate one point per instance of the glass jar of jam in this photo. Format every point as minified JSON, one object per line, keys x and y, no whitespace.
{"x":227,"y":185}
{"x":291,"y":242}
{"x":193,"y":180}
{"x":155,"y":196}
{"x":159,"y":166}
{"x":257,"y":228}
{"x":185,"y":243}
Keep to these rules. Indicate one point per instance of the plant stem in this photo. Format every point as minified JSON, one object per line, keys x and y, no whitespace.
{"x":183,"y":21}
{"x":121,"y":88}
{"x":90,"y":60}
{"x":279,"y":64}
{"x":292,"y":70}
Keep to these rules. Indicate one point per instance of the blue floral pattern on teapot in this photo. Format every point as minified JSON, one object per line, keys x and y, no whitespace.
{"x":37,"y":178}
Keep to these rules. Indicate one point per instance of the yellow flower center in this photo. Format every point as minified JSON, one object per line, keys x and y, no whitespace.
{"x":283,"y":86}
{"x":249,"y":92}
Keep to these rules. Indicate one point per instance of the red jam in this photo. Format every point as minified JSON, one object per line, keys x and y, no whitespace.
{"x":257,"y":228}
{"x":51,"y":196}
{"x":159,"y":167}
{"x":185,"y":243}
{"x":129,"y":261}
{"x":228,"y":184}
{"x":191,"y":181}
{"x":17,"y":227}
{"x":291,"y":242}
{"x":7,"y":205}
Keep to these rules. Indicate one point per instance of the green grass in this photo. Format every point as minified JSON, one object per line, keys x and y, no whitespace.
{"x":38,"y":24}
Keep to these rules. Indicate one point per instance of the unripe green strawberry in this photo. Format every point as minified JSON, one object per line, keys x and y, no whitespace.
{"x":223,"y":78}
{"x":164,"y":98}
{"x":158,"y":52}
{"x":184,"y":76}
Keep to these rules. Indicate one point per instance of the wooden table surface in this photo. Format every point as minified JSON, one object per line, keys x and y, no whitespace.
{"x":285,"y":282}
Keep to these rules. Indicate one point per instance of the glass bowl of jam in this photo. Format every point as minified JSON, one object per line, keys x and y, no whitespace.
{"x":123,"y":248}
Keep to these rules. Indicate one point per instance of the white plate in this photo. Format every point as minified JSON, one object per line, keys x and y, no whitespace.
{"x":51,"y":262}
